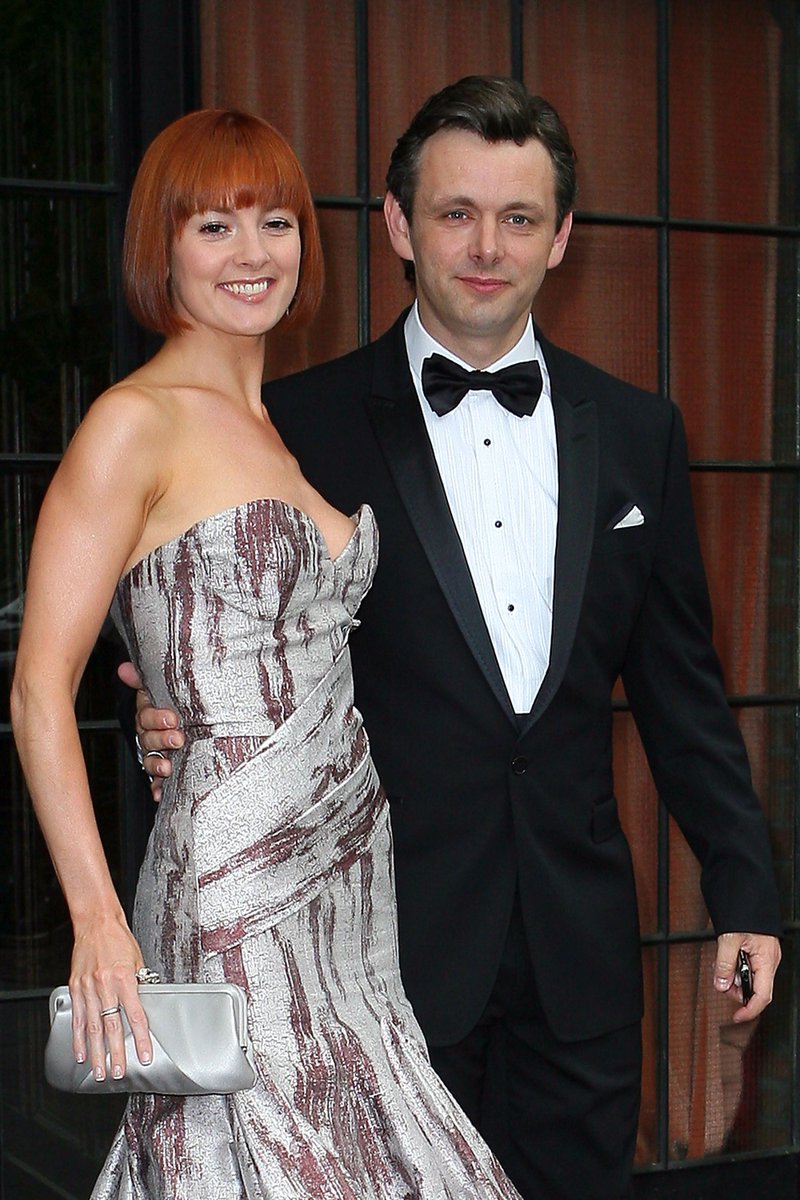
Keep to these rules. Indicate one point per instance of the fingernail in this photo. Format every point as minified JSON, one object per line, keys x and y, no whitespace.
{"x":80,"y":1058}
{"x":118,"y":1072}
{"x":99,"y":1074}
{"x":145,"y":1059}
{"x":724,"y":984}
{"x":174,"y":740}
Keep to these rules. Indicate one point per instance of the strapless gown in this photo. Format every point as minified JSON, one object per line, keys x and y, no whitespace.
{"x":270,"y":864}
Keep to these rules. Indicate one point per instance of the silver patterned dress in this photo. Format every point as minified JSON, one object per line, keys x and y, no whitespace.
{"x":270,"y":864}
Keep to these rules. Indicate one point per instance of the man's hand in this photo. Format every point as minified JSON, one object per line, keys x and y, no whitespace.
{"x":157,"y":731}
{"x":764,"y":953}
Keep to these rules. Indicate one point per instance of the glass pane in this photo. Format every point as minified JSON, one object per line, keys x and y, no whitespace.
{"x":769,"y":735}
{"x":389,"y":292}
{"x":36,"y":945}
{"x":53,"y":1143}
{"x":55,"y":317}
{"x":647,"y":1139}
{"x":418,"y":47}
{"x":726,"y":327}
{"x":597,"y":64}
{"x":728,"y":1084}
{"x":752,"y":563}
{"x":295,"y":67}
{"x":37,"y":939}
{"x":601,"y":302}
{"x":763,"y":1116}
{"x":56,"y":91}
{"x":21,"y":498}
{"x":334,"y":329}
{"x":726,"y":92}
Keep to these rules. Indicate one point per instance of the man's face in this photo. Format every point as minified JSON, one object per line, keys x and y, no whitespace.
{"x":483,"y":234}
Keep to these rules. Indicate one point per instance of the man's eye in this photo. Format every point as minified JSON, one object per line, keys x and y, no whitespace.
{"x":518,"y":219}
{"x":457,"y":214}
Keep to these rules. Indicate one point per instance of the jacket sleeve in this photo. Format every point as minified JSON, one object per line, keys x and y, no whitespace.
{"x":673,"y":682}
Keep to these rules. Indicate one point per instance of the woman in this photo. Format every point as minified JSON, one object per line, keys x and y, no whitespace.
{"x":235,"y":586}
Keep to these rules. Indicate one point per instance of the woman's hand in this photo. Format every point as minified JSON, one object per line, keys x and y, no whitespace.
{"x":102,"y":982}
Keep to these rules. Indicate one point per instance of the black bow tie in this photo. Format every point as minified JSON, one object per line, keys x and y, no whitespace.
{"x":445,"y":385}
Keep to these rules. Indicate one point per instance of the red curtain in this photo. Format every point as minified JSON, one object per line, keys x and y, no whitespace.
{"x":598,"y":64}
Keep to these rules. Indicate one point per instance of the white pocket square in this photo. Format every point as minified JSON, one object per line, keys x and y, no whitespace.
{"x":632,"y":517}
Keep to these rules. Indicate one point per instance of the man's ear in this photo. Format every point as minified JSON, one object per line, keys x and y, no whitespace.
{"x":398,"y":227}
{"x":559,"y":246}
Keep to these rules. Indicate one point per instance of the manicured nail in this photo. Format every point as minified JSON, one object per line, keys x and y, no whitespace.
{"x":118,"y":1071}
{"x":99,"y":1074}
{"x":145,"y":1059}
{"x":80,"y":1058}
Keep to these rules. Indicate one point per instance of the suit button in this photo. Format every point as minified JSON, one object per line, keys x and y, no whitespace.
{"x":519,"y":765}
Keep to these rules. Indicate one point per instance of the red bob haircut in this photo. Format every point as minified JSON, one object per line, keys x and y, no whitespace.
{"x":212,"y":159}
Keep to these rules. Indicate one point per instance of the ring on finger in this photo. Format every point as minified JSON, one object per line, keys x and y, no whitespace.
{"x":155,"y":754}
{"x":111,"y":1012}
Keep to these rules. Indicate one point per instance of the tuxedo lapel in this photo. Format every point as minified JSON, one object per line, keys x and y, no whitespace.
{"x":399,"y":426}
{"x":576,"y":438}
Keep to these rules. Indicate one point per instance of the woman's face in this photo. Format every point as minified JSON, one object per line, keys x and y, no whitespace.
{"x":236,"y":270}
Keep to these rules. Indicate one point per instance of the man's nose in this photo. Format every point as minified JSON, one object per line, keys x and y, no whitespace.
{"x":485,"y":241}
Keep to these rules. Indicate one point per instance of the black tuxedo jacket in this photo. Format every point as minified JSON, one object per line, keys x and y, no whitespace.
{"x":483,"y":801}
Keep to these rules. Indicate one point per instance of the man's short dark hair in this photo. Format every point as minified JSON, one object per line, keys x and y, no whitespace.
{"x":498,"y":110}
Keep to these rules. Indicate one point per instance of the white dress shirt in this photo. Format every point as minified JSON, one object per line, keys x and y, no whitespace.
{"x":500,"y":476}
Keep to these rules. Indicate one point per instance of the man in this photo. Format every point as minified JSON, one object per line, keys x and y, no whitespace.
{"x":530,"y":555}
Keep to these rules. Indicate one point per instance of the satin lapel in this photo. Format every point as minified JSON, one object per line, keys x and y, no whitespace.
{"x":400,"y":429}
{"x":576,"y":437}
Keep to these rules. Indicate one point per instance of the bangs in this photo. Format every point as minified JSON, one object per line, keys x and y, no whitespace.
{"x":240,"y":166}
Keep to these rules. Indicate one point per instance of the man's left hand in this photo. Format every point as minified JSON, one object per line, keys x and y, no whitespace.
{"x":764,"y":953}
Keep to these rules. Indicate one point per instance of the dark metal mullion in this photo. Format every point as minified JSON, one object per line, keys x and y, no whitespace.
{"x":128,"y":338}
{"x":745,"y":466}
{"x":662,"y":888}
{"x":362,"y":171}
{"x":516,"y":35}
{"x":791,"y":91}
{"x":684,"y":224}
{"x":793,"y":930}
{"x":55,"y":187}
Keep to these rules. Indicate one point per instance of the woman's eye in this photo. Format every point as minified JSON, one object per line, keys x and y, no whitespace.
{"x":212,"y":227}
{"x":277,"y":223}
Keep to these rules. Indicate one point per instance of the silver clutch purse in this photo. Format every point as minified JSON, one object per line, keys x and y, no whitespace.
{"x":199,"y":1036}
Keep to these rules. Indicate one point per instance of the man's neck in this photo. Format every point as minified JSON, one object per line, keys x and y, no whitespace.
{"x":476,"y":352}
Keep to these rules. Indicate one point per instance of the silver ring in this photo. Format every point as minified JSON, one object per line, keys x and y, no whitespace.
{"x":145,"y":975}
{"x":155,"y":754}
{"x":139,"y":751}
{"x":111,"y":1012}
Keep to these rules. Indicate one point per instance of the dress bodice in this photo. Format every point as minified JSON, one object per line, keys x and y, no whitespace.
{"x":233,"y":622}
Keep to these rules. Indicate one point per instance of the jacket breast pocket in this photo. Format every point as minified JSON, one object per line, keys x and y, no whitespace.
{"x":605,"y":819}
